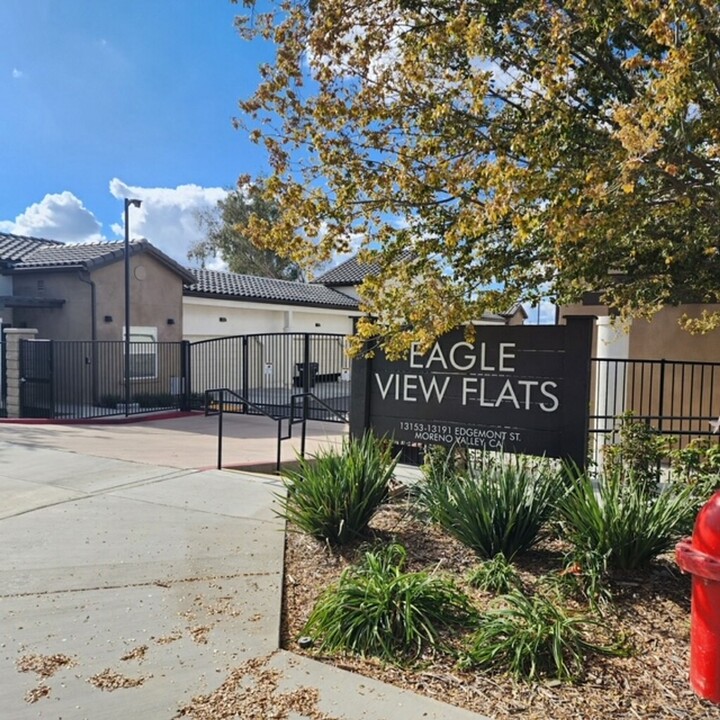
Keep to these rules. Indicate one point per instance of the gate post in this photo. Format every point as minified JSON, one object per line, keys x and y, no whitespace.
{"x":13,"y":336}
{"x":360,"y":383}
{"x":185,"y":376}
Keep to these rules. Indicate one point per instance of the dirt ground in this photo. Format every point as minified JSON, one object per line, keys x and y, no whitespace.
{"x":652,"y":609}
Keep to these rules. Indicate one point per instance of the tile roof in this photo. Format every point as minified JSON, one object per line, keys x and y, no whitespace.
{"x":215,"y":283}
{"x":26,"y":254}
{"x":352,"y":271}
{"x":86,"y":254}
{"x":16,"y":247}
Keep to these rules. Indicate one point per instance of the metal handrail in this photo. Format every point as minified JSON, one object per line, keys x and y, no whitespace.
{"x":304,"y":418}
{"x":220,"y":412}
{"x":277,"y":418}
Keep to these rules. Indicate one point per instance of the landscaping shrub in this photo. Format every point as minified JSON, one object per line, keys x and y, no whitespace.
{"x":620,"y":522}
{"x":440,"y":462}
{"x":378,"y":609}
{"x":156,"y":400}
{"x":532,"y":637}
{"x":637,"y":454}
{"x":496,"y":505}
{"x":698,"y":463}
{"x":110,"y":401}
{"x":584,"y":577}
{"x":496,"y":575}
{"x":332,"y":496}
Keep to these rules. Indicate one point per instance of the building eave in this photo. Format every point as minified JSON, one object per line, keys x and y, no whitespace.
{"x":269,"y":301}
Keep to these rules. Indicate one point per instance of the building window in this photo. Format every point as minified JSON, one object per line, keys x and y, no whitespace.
{"x":143,"y":352}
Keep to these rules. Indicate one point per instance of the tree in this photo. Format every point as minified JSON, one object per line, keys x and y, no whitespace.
{"x":521,"y":147}
{"x":224,"y":235}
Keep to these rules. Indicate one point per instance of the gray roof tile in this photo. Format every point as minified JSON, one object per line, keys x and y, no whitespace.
{"x":16,"y":247}
{"x":25,"y":254}
{"x":216,"y":283}
{"x":87,"y":254}
{"x":352,"y":272}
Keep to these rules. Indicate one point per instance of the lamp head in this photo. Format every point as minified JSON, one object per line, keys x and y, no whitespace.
{"x":132,"y":201}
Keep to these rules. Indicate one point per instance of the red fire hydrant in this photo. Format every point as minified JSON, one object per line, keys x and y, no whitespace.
{"x":700,"y":556}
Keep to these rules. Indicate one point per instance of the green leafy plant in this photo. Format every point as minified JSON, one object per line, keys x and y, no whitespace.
{"x":698,"y":466}
{"x":620,"y":522}
{"x":495,"y":506}
{"x":332,"y":496}
{"x":584,"y":577}
{"x":495,"y":575}
{"x":532,"y":637}
{"x":697,"y":462}
{"x":440,"y":462}
{"x":637,"y":454}
{"x":379,"y":609}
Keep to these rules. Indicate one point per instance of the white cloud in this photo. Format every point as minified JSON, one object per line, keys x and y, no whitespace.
{"x":17,"y":74}
{"x":60,"y":216}
{"x":168,"y":216}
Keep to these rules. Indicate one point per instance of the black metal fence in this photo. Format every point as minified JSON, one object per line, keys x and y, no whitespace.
{"x":266,"y":370}
{"x":675,"y":398}
{"x":3,"y":379}
{"x":86,"y":379}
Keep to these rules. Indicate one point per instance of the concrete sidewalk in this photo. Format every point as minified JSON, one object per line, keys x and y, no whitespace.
{"x":155,"y":582}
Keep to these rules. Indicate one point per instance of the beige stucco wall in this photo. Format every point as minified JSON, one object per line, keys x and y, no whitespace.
{"x":85,"y":374}
{"x":202,"y":319}
{"x":662,"y":337}
{"x":153,"y":300}
{"x":72,"y":321}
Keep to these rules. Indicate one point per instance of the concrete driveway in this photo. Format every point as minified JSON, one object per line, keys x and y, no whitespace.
{"x":181,"y":442}
{"x":128,"y":587}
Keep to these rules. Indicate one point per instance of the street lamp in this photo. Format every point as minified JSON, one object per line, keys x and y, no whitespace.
{"x":128,"y":203}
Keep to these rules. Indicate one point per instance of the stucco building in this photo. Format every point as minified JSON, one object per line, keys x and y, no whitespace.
{"x":77,"y":291}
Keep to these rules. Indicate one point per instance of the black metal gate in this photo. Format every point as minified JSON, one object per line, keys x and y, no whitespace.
{"x":265,"y":371}
{"x":37,"y":390}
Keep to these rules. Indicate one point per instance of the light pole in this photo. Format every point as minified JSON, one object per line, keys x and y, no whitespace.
{"x":128,"y":203}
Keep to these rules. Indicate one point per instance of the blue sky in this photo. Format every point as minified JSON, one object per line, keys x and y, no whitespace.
{"x":104,"y":99}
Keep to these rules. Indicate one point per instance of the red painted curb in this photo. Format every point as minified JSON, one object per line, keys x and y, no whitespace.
{"x":100,"y":420}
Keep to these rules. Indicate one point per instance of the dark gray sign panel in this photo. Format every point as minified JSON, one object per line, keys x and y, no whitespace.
{"x":515,"y":388}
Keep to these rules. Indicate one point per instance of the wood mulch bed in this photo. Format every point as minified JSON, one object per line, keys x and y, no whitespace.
{"x":652,"y":608}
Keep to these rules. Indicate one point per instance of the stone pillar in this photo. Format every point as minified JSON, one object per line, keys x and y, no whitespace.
{"x":613,"y":344}
{"x":13,"y":336}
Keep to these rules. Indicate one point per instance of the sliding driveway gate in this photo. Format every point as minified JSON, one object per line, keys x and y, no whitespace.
{"x":266,"y":370}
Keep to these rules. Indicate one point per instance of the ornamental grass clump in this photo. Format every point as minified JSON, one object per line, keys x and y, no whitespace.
{"x":379,"y":609}
{"x":332,"y":496}
{"x":496,"y":505}
{"x":620,"y":522}
{"x":496,"y":575}
{"x":533,"y":637}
